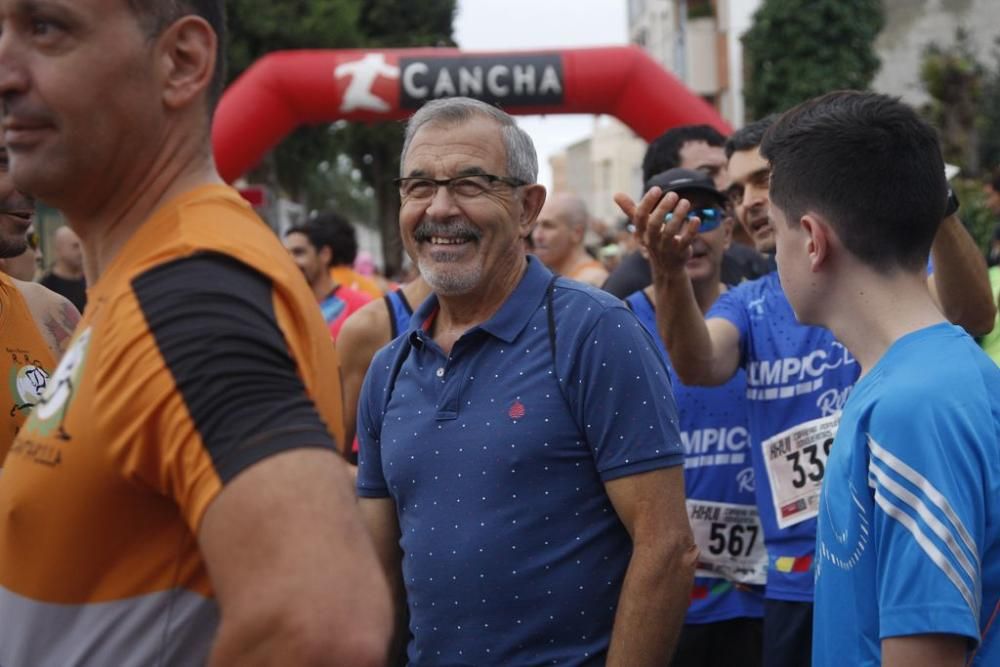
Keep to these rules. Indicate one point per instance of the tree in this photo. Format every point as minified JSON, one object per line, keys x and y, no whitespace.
{"x":989,"y":114}
{"x":953,"y":78}
{"x":798,"y":49}
{"x":309,"y":165}
{"x":258,"y":27}
{"x":374,"y":149}
{"x":965,"y":107}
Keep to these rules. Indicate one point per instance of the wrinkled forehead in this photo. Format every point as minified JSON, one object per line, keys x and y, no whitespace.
{"x":442,"y":149}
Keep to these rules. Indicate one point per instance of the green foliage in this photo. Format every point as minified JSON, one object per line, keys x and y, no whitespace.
{"x":374,"y":150}
{"x":954,"y":80}
{"x":988,"y":121}
{"x":798,"y":49}
{"x":257,"y":27}
{"x":341,"y":166}
{"x":396,"y":23}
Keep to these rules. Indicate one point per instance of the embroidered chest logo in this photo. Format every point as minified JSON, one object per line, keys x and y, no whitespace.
{"x":27,"y":384}
{"x":516,"y":411}
{"x":49,"y":415}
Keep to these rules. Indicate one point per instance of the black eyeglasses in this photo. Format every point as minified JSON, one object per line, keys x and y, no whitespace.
{"x":417,"y":188}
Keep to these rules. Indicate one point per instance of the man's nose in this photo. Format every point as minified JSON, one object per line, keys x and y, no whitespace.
{"x":13,"y":75}
{"x":442,"y":204}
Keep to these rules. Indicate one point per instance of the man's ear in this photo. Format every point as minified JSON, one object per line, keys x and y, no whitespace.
{"x":533,"y":198}
{"x":819,"y":239}
{"x":187,"y":53}
{"x":325,"y":255}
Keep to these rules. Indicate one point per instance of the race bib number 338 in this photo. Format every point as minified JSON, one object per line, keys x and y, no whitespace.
{"x":796,"y":463}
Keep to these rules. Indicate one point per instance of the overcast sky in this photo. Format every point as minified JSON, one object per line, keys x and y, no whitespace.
{"x":529,"y":24}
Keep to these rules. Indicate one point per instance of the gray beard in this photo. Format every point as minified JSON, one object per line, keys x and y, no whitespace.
{"x":448,"y":283}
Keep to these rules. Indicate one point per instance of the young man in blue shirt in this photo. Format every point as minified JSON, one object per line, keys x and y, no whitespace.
{"x":520,"y":467}
{"x":798,"y":377}
{"x":908,"y":541}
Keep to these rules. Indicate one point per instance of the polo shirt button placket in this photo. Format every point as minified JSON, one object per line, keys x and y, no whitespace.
{"x":440,"y":372}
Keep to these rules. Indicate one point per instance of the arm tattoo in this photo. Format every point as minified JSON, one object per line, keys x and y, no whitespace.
{"x":60,"y":325}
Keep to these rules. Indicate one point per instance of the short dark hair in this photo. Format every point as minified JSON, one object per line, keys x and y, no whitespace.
{"x":317,"y":235}
{"x":664,"y":152}
{"x":339,"y":234}
{"x":749,"y":136}
{"x":155,"y":16}
{"x":870,"y":166}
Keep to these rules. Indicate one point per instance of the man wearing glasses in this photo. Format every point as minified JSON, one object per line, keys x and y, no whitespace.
{"x":520,"y":464}
{"x":722,"y":626}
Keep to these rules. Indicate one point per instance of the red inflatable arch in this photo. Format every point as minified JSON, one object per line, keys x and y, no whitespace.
{"x":291,"y":88}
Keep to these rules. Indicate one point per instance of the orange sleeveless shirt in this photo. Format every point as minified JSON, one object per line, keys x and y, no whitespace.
{"x":27,"y":362}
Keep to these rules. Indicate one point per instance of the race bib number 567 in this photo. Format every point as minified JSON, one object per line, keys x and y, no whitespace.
{"x":796,"y":463}
{"x":730,"y":541}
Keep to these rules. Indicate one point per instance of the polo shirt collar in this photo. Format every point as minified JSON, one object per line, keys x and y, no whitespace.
{"x":513,"y":316}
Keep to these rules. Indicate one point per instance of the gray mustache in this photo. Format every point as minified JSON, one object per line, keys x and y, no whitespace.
{"x":427,"y":230}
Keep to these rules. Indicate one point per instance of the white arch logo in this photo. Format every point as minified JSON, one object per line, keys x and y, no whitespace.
{"x":363,"y":74}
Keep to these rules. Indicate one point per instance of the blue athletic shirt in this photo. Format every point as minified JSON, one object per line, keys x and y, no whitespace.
{"x":496,"y":458}
{"x":400,"y":312}
{"x":909,"y":529}
{"x":719,"y":484}
{"x":798,"y":378}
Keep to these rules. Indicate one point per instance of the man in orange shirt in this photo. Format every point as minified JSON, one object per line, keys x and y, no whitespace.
{"x":175,"y":497}
{"x":35,"y":323}
{"x":558,"y":239}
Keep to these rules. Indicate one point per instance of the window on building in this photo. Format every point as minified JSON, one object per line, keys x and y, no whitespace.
{"x":698,"y":9}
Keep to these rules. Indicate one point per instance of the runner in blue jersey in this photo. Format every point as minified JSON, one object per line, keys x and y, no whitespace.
{"x":798,"y":377}
{"x":908,"y":543}
{"x":722,"y":627}
{"x":367,"y":331}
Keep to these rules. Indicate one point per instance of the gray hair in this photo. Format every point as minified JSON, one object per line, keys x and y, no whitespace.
{"x":522,"y":161}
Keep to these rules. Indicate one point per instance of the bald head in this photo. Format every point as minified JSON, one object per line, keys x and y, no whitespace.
{"x":68,"y":251}
{"x":559,"y":235}
{"x":567,"y":208}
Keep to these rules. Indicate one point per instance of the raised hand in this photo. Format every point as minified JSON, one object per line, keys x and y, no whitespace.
{"x":668,"y":242}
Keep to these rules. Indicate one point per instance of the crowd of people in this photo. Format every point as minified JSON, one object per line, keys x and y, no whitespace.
{"x":765,"y":437}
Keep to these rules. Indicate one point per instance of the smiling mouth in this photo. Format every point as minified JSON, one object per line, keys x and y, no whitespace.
{"x":446,"y":240}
